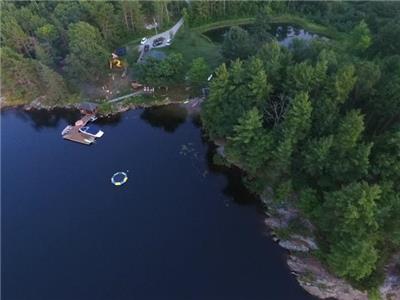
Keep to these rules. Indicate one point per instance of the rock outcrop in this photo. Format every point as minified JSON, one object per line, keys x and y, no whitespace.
{"x":390,"y":289}
{"x":310,"y":273}
{"x":316,"y":280}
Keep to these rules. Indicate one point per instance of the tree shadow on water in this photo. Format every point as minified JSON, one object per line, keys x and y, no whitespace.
{"x":41,"y":118}
{"x":111,"y":120}
{"x":235,"y":188}
{"x":168,"y":117}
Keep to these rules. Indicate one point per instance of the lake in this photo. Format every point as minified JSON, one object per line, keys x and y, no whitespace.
{"x":180,"y":228}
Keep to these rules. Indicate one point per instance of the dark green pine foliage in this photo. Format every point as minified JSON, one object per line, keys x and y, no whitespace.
{"x":88,"y":56}
{"x":237,"y":44}
{"x":198,"y":73}
{"x":163,"y":72}
{"x":320,"y":120}
{"x":250,"y":142}
{"x":233,"y":93}
{"x":352,"y":228}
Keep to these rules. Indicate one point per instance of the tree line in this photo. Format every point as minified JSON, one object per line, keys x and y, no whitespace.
{"x":319,"y":123}
{"x":50,"y":48}
{"x":319,"y":120}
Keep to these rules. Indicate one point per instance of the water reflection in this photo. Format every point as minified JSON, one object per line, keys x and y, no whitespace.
{"x":284,"y":33}
{"x":112,"y":120}
{"x":235,"y":189}
{"x":196,"y":120}
{"x":165,"y":221}
{"x":168,"y":117}
{"x":41,"y":118}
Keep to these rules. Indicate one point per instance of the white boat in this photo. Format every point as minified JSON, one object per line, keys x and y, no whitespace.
{"x":91,"y":131}
{"x":66,"y":130}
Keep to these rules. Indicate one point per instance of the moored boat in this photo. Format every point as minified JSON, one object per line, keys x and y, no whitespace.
{"x":66,"y":130}
{"x":91,"y":131}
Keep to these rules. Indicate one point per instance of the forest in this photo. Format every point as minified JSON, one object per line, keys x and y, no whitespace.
{"x":50,"y":47}
{"x":318,"y":122}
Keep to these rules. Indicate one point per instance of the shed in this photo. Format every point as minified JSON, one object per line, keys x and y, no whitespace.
{"x":120,"y":51}
{"x":88,"y":107}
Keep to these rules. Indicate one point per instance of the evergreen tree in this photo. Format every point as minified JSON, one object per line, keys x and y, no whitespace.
{"x":132,"y":15}
{"x":13,"y":36}
{"x":261,"y":30}
{"x":237,"y":44}
{"x":164,"y":72}
{"x":213,"y":112}
{"x":258,"y":83}
{"x":19,"y":80}
{"x":275,"y":60}
{"x":294,"y":128}
{"x":250,"y":143}
{"x":88,"y":57}
{"x":198,"y":72}
{"x":53,"y":84}
{"x":69,"y":12}
{"x":352,"y":228}
{"x":359,"y":38}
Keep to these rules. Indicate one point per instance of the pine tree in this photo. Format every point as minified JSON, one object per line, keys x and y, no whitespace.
{"x":352,"y":227}
{"x":198,"y":72}
{"x":53,"y":84}
{"x":88,"y":56}
{"x":250,"y":143}
{"x":237,"y":44}
{"x":359,"y":38}
{"x":19,"y":80}
{"x":258,"y":84}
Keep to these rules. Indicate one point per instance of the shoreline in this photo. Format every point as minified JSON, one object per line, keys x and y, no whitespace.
{"x":120,"y":108}
{"x":309,"y":272}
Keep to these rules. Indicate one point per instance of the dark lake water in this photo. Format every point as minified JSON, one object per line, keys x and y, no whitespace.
{"x":180,"y":228}
{"x":284,"y":33}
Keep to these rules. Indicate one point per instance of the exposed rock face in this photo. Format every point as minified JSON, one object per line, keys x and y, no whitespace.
{"x":299,"y":243}
{"x":276,"y":223}
{"x":310,"y":273}
{"x":293,"y":245}
{"x":221,"y":151}
{"x":390,"y":289}
{"x":314,"y":278}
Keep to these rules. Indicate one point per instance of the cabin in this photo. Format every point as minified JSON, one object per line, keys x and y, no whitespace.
{"x":88,"y":108}
{"x":136,"y":85}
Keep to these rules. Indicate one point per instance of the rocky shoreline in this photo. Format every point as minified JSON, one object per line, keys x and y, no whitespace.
{"x":311,"y":274}
{"x":119,"y":107}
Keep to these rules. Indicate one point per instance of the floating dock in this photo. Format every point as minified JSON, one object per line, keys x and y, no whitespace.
{"x":72,"y":133}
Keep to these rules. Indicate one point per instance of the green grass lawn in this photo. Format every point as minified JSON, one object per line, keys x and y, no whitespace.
{"x":193,"y":45}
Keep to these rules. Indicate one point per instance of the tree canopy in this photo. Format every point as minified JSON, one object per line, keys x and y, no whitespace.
{"x":320,"y":119}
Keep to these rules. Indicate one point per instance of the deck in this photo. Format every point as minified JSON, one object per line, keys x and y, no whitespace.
{"x":76,"y":136}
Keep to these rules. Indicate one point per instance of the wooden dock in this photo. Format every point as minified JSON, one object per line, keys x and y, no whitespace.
{"x":73,"y":133}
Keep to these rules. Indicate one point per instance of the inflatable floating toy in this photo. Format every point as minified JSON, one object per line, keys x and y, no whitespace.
{"x":119,"y":178}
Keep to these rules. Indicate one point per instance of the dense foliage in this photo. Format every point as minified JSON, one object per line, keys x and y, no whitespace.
{"x":318,"y":122}
{"x":50,"y":48}
{"x":321,"y":120}
{"x":162,"y":72}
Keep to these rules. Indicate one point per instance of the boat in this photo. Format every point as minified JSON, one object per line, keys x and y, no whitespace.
{"x":89,"y":141}
{"x":66,"y":130}
{"x":92,"y":131}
